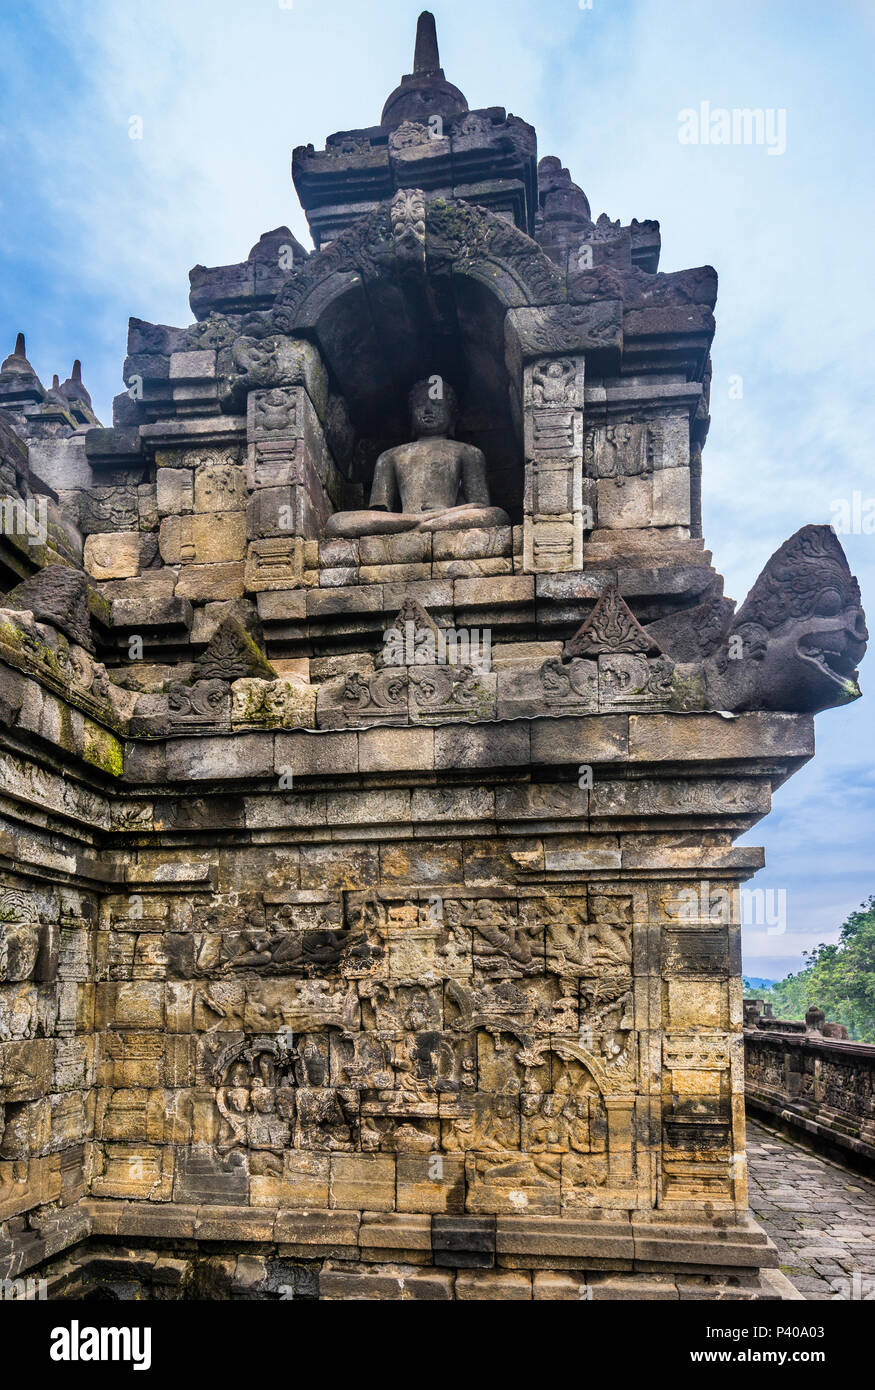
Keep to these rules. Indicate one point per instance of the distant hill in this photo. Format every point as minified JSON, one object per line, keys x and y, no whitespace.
{"x":756,"y":982}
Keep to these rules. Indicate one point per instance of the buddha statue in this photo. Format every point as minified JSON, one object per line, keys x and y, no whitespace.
{"x":439,"y":482}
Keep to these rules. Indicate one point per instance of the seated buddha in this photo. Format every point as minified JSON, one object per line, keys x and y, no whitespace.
{"x":435,"y":483}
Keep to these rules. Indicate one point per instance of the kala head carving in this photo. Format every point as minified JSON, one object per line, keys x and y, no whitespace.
{"x":799,"y":635}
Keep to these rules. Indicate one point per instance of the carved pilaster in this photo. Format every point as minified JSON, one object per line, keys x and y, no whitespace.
{"x":554,"y":520}
{"x":290,"y":471}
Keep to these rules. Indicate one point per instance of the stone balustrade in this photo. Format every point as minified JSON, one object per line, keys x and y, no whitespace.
{"x":810,"y":1079}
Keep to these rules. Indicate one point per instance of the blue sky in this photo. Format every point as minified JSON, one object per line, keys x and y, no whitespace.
{"x":95,"y":227}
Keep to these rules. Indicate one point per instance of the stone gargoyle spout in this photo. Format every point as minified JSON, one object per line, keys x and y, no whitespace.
{"x":797,"y":639}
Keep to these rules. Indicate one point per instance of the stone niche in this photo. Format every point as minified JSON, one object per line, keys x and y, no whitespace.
{"x":375,"y":779}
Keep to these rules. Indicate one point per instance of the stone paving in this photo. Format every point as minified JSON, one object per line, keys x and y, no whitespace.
{"x":820,"y":1216}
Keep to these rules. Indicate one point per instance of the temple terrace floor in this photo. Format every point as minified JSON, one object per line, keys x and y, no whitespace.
{"x":821,"y":1216}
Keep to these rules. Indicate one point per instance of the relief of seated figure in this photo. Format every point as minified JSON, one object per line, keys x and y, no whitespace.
{"x":439,"y":482}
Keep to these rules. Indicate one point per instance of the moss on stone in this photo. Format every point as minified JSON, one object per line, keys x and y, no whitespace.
{"x":102,"y":749}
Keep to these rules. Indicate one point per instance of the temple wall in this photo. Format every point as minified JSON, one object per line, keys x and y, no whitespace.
{"x":411,"y":990}
{"x":49,"y":948}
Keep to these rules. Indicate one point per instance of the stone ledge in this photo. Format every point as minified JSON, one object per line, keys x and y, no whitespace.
{"x":614,"y":1236}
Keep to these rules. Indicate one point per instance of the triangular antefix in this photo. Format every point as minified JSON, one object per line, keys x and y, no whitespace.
{"x":611,"y":627}
{"x":231,"y":654}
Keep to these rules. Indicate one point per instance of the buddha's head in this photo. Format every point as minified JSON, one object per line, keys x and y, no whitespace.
{"x":433,"y":408}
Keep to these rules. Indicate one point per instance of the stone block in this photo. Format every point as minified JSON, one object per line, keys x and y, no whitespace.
{"x":338,"y":578}
{"x":19,"y":950}
{"x":203,"y":582}
{"x":697,"y":1003}
{"x":499,"y":592}
{"x":308,"y":755}
{"x":395,"y":1236}
{"x":384,"y":1283}
{"x":207,"y":538}
{"x":219,"y":487}
{"x":271,"y":511}
{"x":394,"y":574}
{"x":430,"y":1182}
{"x":714,"y":738}
{"x":473,"y":746}
{"x":526,"y":655}
{"x":409,"y":548}
{"x":331,"y":603}
{"x":550,"y":1287}
{"x":338,"y":554}
{"x":629,"y":506}
{"x":476,"y":543}
{"x":470,"y":569}
{"x":279,"y":704}
{"x":303,"y":1183}
{"x":241,"y":756}
{"x":397,"y":750}
{"x":174,"y":491}
{"x":449,"y":804}
{"x":118,"y":554}
{"x":314,"y":1234}
{"x":289,"y":606}
{"x":671,"y":497}
{"x":280,"y":562}
{"x":464,"y":1242}
{"x":589,"y":739}
{"x":496,"y":1285}
{"x":362,"y":1182}
{"x":150,"y":613}
{"x":26,"y":1068}
{"x":192,"y":366}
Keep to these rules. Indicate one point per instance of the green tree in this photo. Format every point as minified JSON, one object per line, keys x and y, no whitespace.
{"x":839,"y":979}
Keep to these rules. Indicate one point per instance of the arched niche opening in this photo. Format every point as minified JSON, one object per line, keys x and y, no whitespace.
{"x":378,"y":337}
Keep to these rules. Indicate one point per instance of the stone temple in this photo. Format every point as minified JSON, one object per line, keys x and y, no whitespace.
{"x":375,"y":737}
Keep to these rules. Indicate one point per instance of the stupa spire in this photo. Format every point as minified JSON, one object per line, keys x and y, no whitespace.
{"x":17,"y":359}
{"x":426,"y":57}
{"x":425,"y":92}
